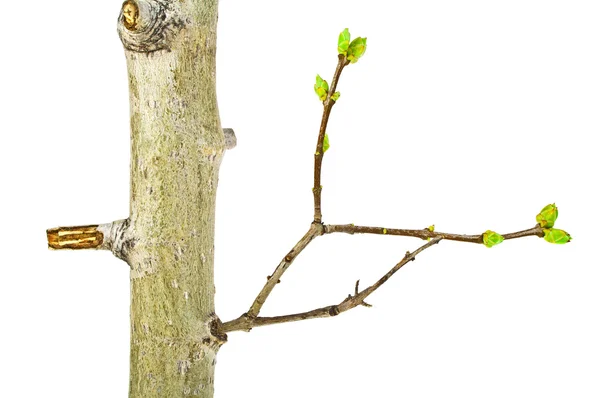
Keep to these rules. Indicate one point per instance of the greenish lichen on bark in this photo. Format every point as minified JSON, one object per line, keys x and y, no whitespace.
{"x":177,"y":145}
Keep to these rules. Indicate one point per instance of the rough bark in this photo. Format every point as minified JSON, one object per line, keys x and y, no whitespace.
{"x":176,"y":149}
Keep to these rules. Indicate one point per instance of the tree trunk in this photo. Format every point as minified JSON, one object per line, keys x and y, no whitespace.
{"x":177,"y":145}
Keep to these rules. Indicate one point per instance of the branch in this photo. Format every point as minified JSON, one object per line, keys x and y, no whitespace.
{"x":247,"y":322}
{"x":327,"y":104}
{"x":426,"y":233}
{"x":351,"y":52}
{"x":314,"y":231}
{"x":109,"y":236}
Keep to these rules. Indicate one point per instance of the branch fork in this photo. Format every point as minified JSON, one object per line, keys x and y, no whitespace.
{"x":363,"y":303}
{"x":251,"y":318}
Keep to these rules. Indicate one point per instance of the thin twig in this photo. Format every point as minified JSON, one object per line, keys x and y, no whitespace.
{"x":327,"y":105}
{"x":426,"y":233}
{"x":314,"y":231}
{"x":251,"y":319}
{"x":317,"y":229}
{"x":246,"y":322}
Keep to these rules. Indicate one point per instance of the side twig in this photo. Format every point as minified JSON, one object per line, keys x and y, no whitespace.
{"x":327,"y":105}
{"x":314,"y":231}
{"x":246,"y":322}
{"x":316,"y":228}
{"x":426,"y":233}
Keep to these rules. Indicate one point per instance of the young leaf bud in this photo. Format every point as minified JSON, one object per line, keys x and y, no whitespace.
{"x":326,"y":143}
{"x":356,"y":49}
{"x":547,"y":216}
{"x":430,"y":228}
{"x":557,"y":236}
{"x":321,"y":88}
{"x":344,"y":42}
{"x":491,"y":238}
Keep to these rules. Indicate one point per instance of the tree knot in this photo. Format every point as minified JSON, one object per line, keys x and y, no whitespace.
{"x":149,"y":25}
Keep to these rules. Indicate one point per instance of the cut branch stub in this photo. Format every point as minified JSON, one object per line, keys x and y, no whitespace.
{"x":83,"y":237}
{"x":114,"y":236}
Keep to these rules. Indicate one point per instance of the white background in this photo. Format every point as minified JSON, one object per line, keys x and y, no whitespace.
{"x":468,"y":114}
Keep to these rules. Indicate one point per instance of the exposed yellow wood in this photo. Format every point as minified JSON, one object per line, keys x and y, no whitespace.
{"x":131,"y":14}
{"x":81,"y":237}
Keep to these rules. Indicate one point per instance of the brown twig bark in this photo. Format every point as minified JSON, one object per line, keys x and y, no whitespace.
{"x":247,"y":322}
{"x":314,"y":231}
{"x":426,"y":233}
{"x":251,"y":319}
{"x":327,"y":106}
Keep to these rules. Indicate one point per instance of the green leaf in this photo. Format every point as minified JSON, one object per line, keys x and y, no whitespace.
{"x":326,"y":143}
{"x":557,"y":236}
{"x":344,"y":42}
{"x":321,"y":88}
{"x":547,"y":216}
{"x":336,"y":96}
{"x":491,"y":238}
{"x":356,"y":49}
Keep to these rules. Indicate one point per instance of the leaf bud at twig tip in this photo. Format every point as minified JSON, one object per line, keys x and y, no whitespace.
{"x":321,"y":88}
{"x":491,"y":238}
{"x":356,"y":49}
{"x":343,"y":42}
{"x":557,"y":236}
{"x":547,"y":216}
